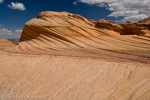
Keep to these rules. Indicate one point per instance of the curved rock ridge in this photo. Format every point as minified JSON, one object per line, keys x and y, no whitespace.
{"x":62,"y":33}
{"x":146,"y":20}
{"x":5,"y":44}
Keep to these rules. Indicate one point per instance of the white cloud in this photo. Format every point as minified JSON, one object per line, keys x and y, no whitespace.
{"x":1,"y":1}
{"x":134,"y":18}
{"x":103,"y":4}
{"x":133,"y":10}
{"x":18,"y":6}
{"x":9,"y":34}
{"x":124,"y":13}
{"x":95,"y":1}
{"x":75,"y":3}
{"x":17,"y":30}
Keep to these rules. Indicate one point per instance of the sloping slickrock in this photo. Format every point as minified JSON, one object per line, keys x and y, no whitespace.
{"x":68,"y":78}
{"x":66,"y":57}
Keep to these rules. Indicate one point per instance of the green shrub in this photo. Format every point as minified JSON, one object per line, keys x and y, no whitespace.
{"x":69,"y":14}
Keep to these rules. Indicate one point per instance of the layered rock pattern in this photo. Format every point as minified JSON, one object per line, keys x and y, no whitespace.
{"x":68,"y":78}
{"x":66,"y":57}
{"x":73,"y":35}
{"x":6,"y":44}
{"x":127,"y":28}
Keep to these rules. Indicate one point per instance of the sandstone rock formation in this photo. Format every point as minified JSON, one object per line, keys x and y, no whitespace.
{"x":102,"y":23}
{"x":146,"y":21}
{"x":54,"y":31}
{"x":68,"y":78}
{"x":91,"y":20}
{"x":128,"y":22}
{"x":14,"y":41}
{"x":66,"y":57}
{"x":128,"y":28}
{"x":5,"y":44}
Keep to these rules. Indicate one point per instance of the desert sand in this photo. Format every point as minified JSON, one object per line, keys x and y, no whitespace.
{"x":63,"y":56}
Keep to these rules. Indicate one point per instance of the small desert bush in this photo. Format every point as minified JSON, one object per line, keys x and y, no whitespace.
{"x":38,"y":16}
{"x":69,"y":14}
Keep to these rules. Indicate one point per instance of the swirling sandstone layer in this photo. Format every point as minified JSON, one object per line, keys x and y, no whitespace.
{"x":62,"y":33}
{"x":66,"y":57}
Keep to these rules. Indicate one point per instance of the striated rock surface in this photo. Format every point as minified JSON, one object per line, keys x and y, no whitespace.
{"x":66,"y":57}
{"x":128,"y":28}
{"x":102,"y":23}
{"x":5,"y":44}
{"x":68,"y":78}
{"x":58,"y":33}
{"x":146,"y":21}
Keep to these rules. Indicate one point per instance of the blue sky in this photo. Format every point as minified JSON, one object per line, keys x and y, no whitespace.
{"x":15,"y":13}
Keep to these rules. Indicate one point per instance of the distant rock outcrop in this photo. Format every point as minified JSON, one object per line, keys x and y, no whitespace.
{"x":124,"y":29}
{"x":14,"y":41}
{"x":5,"y":44}
{"x":145,"y":21}
{"x":128,"y":22}
{"x":91,"y":20}
{"x":102,"y":23}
